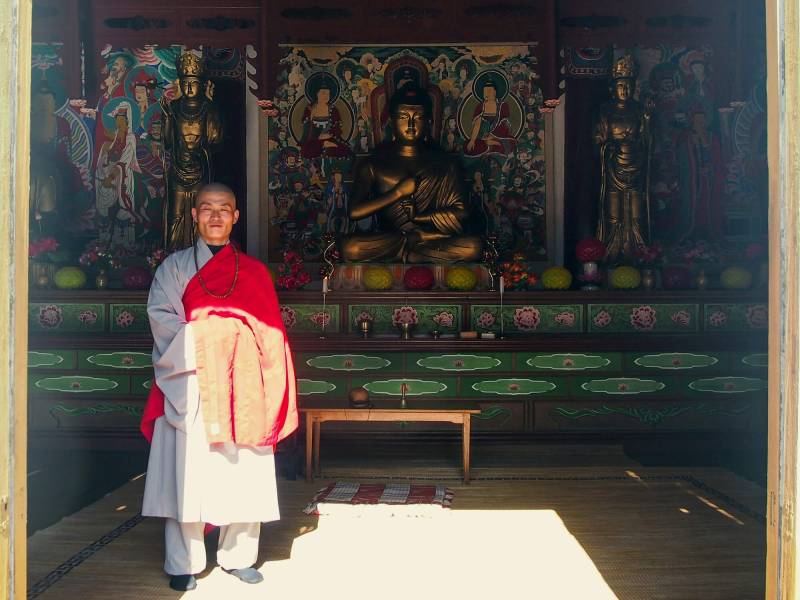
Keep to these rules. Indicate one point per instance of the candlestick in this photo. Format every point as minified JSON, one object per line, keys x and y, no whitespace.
{"x":324,"y":311}
{"x":502,"y":289}
{"x":325,"y":288}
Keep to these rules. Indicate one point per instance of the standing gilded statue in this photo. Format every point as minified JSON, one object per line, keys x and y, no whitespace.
{"x":192,"y":131}
{"x":415,"y":190}
{"x":624,"y":136}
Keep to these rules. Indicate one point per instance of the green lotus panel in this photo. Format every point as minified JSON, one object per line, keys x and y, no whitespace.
{"x":427,"y":317}
{"x":349,"y":362}
{"x":457,"y":362}
{"x":51,"y":359}
{"x":528,"y":319}
{"x":728,"y":385}
{"x":736,"y":317}
{"x":569,"y":362}
{"x":414,"y":387}
{"x":81,"y":384}
{"x":115,"y":360}
{"x":623,"y":386}
{"x":309,"y":387}
{"x":514,"y":387}
{"x":643,"y":318}
{"x":60,"y":317}
{"x":756,"y":360}
{"x":675,"y":361}
{"x":129,"y":318}
{"x":309,"y":318}
{"x":64,"y":410}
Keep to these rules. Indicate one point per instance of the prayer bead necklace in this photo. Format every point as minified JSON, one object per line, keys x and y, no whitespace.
{"x":235,"y":275}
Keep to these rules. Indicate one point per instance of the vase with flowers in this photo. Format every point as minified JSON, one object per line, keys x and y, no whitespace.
{"x":648,"y":258}
{"x":292,"y":274}
{"x":41,"y":254}
{"x":589,"y":252}
{"x":102,"y":260}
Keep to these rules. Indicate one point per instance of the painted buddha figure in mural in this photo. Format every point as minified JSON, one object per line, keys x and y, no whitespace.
{"x":414,"y":190}
{"x":191,"y":130}
{"x":623,"y":134}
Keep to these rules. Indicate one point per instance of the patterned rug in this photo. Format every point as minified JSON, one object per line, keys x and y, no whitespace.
{"x":385,"y":497}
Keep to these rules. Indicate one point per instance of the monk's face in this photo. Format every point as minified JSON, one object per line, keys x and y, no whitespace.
{"x":410,"y":122}
{"x":215,"y":213}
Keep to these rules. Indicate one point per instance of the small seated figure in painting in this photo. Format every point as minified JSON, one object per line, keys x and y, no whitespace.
{"x":414,"y":189}
{"x":491,"y":126}
{"x":322,"y":123}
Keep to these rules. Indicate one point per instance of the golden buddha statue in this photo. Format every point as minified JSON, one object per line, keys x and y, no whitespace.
{"x":623,"y":134}
{"x":45,"y":177}
{"x":414,"y":190}
{"x":192,"y":130}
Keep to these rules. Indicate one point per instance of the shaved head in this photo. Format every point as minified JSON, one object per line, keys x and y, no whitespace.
{"x":215,"y":188}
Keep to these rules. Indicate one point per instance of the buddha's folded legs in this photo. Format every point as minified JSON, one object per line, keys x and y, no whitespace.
{"x":379,"y":247}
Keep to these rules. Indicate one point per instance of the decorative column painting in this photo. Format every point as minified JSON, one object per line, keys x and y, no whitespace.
{"x":332,"y":106}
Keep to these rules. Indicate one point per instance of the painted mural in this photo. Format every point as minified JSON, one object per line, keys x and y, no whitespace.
{"x":107,"y":152}
{"x":333,"y":108}
{"x":708,"y":166}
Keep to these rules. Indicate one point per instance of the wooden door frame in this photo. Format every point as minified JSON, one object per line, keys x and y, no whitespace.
{"x":15,"y":104}
{"x":783,"y":92}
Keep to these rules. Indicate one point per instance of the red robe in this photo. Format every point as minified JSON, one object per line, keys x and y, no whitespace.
{"x":253,"y":300}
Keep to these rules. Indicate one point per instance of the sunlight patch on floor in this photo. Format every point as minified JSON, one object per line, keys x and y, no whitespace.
{"x":457,"y":554}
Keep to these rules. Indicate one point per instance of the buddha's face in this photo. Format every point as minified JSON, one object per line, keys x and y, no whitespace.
{"x":489,"y":93}
{"x":409,"y":122}
{"x":122,"y":123}
{"x":323,"y":96}
{"x":190,"y":87}
{"x":623,"y":89}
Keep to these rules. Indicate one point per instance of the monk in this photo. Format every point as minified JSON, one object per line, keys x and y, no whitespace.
{"x":223,"y":396}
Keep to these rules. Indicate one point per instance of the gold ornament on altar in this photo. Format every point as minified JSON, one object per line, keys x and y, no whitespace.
{"x":192,"y":131}
{"x":623,"y":133}
{"x":414,"y":191}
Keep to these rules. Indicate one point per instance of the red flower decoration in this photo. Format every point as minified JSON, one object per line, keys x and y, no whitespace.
{"x":590,"y":250}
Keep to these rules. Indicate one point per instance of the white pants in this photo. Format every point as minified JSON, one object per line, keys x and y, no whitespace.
{"x":186,"y":551}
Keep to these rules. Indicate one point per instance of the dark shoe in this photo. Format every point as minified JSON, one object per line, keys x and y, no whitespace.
{"x":182,"y":583}
{"x":248,"y":575}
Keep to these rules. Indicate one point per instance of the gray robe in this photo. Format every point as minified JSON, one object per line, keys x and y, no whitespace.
{"x":187,"y":480}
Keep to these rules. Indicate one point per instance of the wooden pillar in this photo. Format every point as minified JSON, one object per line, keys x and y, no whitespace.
{"x":783,"y":85}
{"x":15,"y":82}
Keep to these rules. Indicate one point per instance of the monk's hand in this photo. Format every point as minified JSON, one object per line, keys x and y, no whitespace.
{"x":406,"y":187}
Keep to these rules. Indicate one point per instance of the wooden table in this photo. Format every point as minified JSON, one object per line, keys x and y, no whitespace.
{"x":318,"y":411}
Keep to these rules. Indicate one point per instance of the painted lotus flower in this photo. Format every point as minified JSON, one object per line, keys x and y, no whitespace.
{"x":444,"y":319}
{"x":602,"y":319}
{"x":757,"y":316}
{"x":288,"y":316}
{"x":87,"y":317}
{"x":643,"y":318}
{"x":320,"y":318}
{"x":405,"y":314}
{"x":567,"y":319}
{"x":124,"y":318}
{"x":717,"y":318}
{"x":485,"y":320}
{"x":527,"y":318}
{"x":50,"y":316}
{"x":682,"y":317}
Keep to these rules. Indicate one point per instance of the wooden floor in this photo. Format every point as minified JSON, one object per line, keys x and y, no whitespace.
{"x":544,"y":532}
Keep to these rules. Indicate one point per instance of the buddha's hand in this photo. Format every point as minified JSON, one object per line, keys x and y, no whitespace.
{"x":406,"y":187}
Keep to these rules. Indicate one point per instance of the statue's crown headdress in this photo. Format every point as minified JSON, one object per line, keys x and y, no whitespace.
{"x":190,"y":65}
{"x":624,"y":68}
